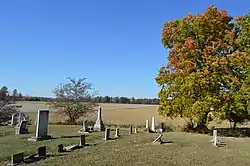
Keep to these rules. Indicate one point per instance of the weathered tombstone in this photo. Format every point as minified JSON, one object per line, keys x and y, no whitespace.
{"x":215,"y":139}
{"x":162,"y":129}
{"x":82,"y":140}
{"x":158,"y":140}
{"x":147,"y":124}
{"x":41,"y":151}
{"x":130,"y":130}
{"x":136,"y":130}
{"x":14,"y":120}
{"x":16,"y":159}
{"x":153,"y":124}
{"x":41,"y":126}
{"x":85,"y":128}
{"x":99,"y":126}
{"x":107,"y":134}
{"x":21,"y":128}
{"x":60,"y":148}
{"x":117,"y":133}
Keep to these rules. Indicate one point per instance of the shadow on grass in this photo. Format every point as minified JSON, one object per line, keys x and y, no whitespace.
{"x":229,"y":132}
{"x":167,"y":142}
{"x":33,"y":158}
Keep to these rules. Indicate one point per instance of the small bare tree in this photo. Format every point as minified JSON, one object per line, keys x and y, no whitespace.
{"x":73,"y":99}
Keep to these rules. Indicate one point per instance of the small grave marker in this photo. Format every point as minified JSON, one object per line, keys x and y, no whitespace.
{"x":21,"y":128}
{"x":82,"y":140}
{"x":41,"y":151}
{"x":16,"y":159}
{"x":162,"y":129}
{"x":107,"y":134}
{"x":136,"y":130}
{"x":117,"y":133}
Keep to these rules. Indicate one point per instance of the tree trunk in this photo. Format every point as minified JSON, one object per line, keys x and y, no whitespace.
{"x":234,"y":126}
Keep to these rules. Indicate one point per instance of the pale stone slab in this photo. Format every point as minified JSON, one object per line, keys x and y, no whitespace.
{"x":153,"y":124}
{"x":117,"y":134}
{"x":99,"y":125}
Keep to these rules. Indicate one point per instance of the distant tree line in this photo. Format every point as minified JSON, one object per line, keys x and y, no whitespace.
{"x":6,"y":94}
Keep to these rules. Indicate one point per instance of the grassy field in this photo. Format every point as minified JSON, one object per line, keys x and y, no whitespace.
{"x":112,"y":113}
{"x":133,"y":150}
{"x":119,"y":114}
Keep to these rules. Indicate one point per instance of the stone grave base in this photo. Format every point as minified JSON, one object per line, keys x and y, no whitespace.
{"x":36,"y":139}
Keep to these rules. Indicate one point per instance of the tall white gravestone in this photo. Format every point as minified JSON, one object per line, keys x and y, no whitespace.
{"x":41,"y":126}
{"x":42,"y":123}
{"x":99,"y":126}
{"x":153,"y":124}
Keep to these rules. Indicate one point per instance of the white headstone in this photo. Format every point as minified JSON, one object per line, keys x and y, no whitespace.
{"x":99,"y":126}
{"x":147,"y":124}
{"x":153,"y":124}
{"x":42,"y":123}
{"x":14,"y":120}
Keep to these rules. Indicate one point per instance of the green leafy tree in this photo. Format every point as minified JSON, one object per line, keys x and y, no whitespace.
{"x":74,"y":99}
{"x":14,"y":94}
{"x":205,"y":66}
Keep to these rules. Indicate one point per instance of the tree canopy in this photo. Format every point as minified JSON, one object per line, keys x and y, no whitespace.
{"x":207,"y":67}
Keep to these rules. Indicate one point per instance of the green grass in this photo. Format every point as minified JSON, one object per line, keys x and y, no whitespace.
{"x":132,"y":150}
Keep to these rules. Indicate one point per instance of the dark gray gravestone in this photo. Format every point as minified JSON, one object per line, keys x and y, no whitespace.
{"x":21,"y":128}
{"x":16,"y":159}
{"x":130,"y":130}
{"x":60,"y":148}
{"x":41,"y":151}
{"x":162,"y":129}
{"x":82,"y":140}
{"x":107,"y":134}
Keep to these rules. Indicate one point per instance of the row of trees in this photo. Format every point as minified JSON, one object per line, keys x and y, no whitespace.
{"x":208,"y":72}
{"x":16,"y":96}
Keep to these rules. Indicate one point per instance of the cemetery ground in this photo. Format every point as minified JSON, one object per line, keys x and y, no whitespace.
{"x":134,"y":149}
{"x":179,"y":148}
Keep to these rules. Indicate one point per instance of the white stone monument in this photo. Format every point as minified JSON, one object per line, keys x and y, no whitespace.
{"x":99,"y":126}
{"x":147,"y":124}
{"x":153,"y":124}
{"x":41,"y":126}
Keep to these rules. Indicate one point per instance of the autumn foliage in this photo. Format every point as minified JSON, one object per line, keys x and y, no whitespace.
{"x":207,"y":68}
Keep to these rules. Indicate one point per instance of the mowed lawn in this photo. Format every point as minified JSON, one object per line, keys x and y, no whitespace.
{"x":132,"y":150}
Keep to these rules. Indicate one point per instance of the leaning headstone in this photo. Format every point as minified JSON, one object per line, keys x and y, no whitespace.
{"x":162,"y":129}
{"x":71,"y":147}
{"x":14,"y":120}
{"x":147,"y":124}
{"x":21,"y":128}
{"x":41,"y":126}
{"x":153,"y":124}
{"x":107,"y":134}
{"x":41,"y":151}
{"x":158,"y":140}
{"x":117,"y":133}
{"x":99,"y":125}
{"x":136,"y":130}
{"x":82,"y":140}
{"x":16,"y":159}
{"x":130,"y":130}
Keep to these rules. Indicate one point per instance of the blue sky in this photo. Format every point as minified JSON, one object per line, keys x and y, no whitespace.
{"x":115,"y":44}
